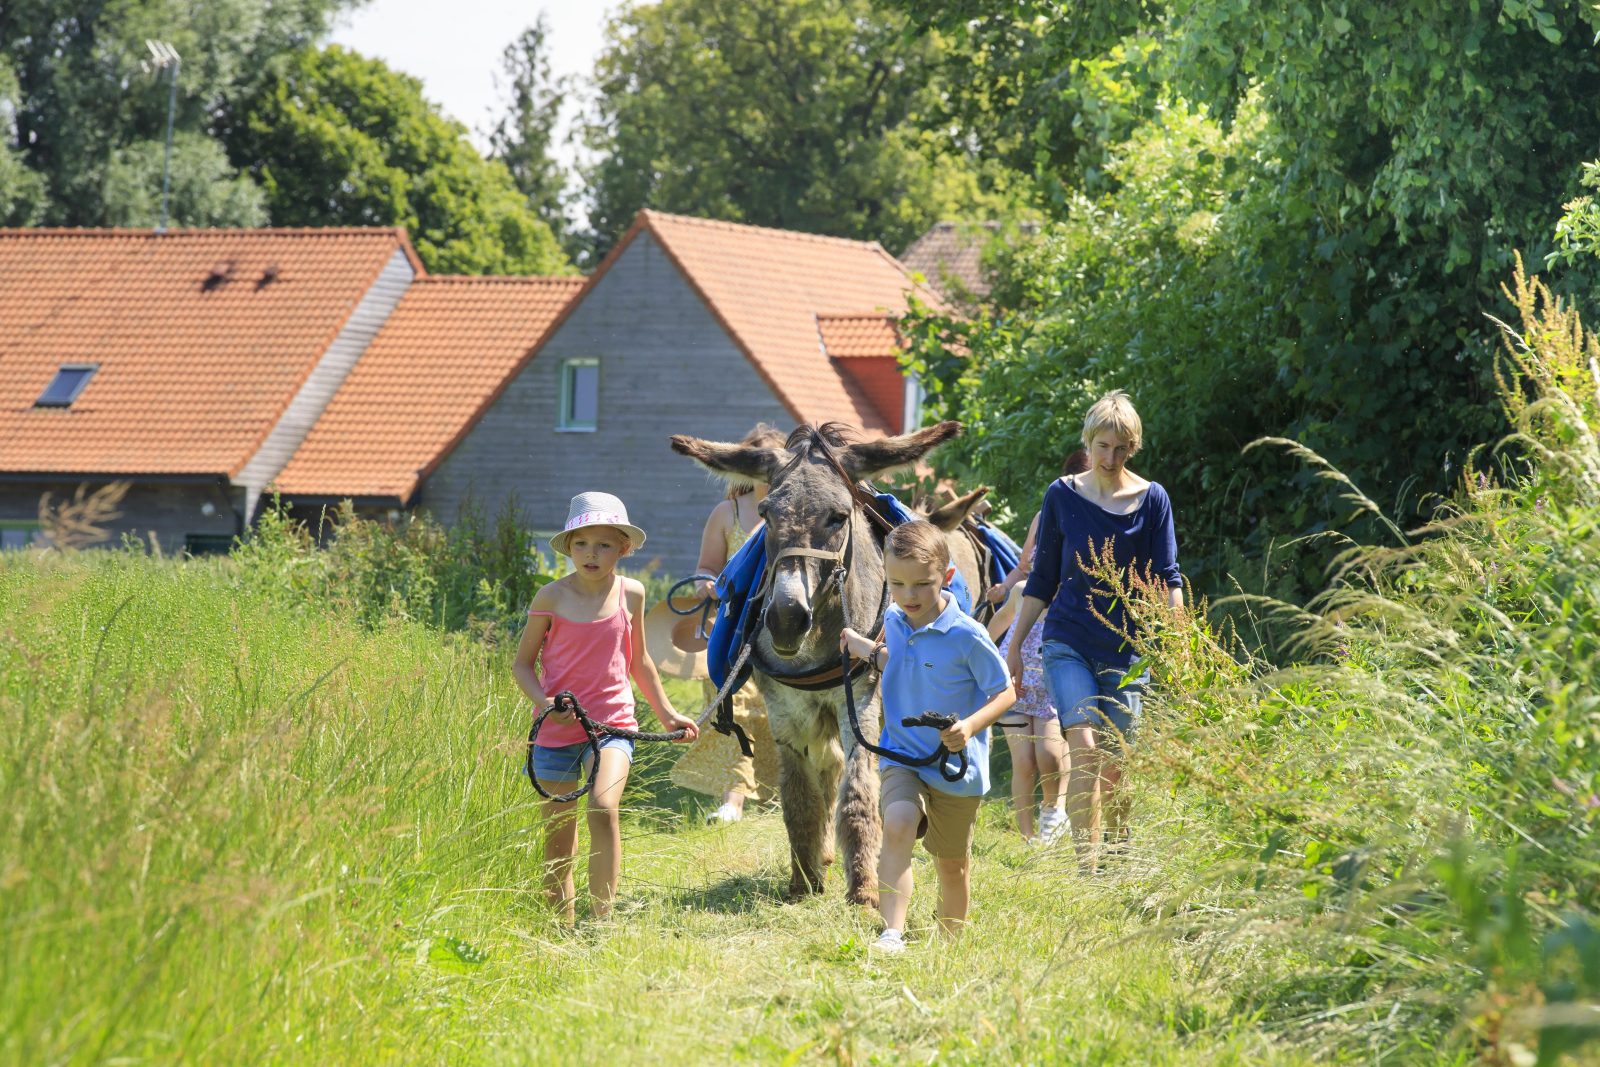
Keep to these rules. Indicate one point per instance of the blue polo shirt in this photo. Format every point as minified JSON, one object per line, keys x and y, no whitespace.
{"x":948,"y":666}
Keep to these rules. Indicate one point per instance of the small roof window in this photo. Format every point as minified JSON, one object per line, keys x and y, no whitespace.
{"x":66,"y":385}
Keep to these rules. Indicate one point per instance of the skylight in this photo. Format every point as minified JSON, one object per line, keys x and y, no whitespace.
{"x":66,"y":385}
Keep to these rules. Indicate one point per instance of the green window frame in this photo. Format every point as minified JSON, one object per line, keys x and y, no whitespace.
{"x":580,"y":396}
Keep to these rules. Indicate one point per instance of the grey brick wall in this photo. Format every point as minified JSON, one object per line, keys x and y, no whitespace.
{"x":666,"y":367}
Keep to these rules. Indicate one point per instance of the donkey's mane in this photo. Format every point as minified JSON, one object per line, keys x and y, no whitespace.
{"x":825,"y":438}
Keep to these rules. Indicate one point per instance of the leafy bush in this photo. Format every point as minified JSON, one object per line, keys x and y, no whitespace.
{"x":477,"y":575}
{"x":1405,"y":812}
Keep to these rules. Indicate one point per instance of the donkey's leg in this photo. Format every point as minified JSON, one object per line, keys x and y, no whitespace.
{"x":805,"y":763}
{"x":805,"y":817}
{"x":860,"y":826}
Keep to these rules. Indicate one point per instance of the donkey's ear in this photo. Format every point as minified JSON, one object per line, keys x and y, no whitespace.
{"x":954,"y":513}
{"x":868,"y":459}
{"x":741,"y":465}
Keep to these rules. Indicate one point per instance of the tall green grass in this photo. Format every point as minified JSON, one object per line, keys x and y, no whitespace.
{"x":238,"y":830}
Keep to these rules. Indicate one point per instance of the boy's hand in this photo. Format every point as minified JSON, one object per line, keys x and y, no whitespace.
{"x":853,"y":643}
{"x":956,"y":737}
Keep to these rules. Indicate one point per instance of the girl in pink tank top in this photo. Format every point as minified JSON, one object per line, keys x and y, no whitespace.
{"x":584,"y":635}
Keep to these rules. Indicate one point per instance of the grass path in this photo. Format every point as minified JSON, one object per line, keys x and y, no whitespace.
{"x":235,"y":830}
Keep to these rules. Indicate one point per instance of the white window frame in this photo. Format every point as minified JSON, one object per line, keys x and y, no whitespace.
{"x":911,"y":413}
{"x":568,"y":367}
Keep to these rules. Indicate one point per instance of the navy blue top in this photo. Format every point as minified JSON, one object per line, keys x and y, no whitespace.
{"x":1070,"y":527}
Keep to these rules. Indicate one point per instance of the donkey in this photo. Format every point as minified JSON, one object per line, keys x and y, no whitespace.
{"x":814,"y":525}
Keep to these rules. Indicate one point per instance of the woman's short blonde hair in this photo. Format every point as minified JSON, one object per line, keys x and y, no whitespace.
{"x":1114,"y":412}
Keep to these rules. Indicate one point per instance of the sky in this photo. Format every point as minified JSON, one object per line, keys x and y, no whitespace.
{"x":454,"y":46}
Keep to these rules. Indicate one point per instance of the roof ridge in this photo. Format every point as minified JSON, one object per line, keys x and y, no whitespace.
{"x":499,"y":279}
{"x":798,"y":235}
{"x":214,"y":231}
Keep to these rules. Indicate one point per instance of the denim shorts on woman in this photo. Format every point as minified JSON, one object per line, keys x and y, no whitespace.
{"x":564,"y":763}
{"x":1088,"y":692}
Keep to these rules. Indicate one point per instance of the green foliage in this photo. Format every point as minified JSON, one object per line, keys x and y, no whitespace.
{"x":478,"y":575}
{"x":1413,"y":796}
{"x":21,"y":189}
{"x":1398,"y":154}
{"x":800,"y":114}
{"x":339,"y":140}
{"x":86,"y":112}
{"x":524,"y":136}
{"x":205,"y":189}
{"x":1148,"y":288}
{"x":1578,"y":229}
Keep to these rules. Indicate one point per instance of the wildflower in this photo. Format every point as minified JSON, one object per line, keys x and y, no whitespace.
{"x":1538,"y":505}
{"x":1483,"y":480}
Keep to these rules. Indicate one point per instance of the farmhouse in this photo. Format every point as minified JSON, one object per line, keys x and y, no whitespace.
{"x":190,"y":364}
{"x":210,"y":368}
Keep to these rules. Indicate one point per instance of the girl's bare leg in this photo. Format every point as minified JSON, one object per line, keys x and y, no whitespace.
{"x":1023,"y":773}
{"x":605,"y":830}
{"x":1050,"y":753}
{"x":560,"y":849}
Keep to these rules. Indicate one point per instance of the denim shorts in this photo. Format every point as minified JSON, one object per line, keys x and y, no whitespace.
{"x":564,"y":763}
{"x":1088,"y":692}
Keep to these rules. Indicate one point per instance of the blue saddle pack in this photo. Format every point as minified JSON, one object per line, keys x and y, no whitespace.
{"x":737,"y":607}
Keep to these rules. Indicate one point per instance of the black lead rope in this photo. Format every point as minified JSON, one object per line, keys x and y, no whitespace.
{"x":724,"y":723}
{"x":942,"y":756}
{"x":703,"y":609}
{"x":564,"y":701}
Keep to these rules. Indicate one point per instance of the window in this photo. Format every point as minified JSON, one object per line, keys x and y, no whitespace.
{"x":207,"y":544}
{"x":66,"y":385}
{"x":19,"y":535}
{"x":580,"y":394}
{"x":912,"y":412}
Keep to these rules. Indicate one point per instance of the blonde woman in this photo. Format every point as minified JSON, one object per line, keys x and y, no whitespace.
{"x":715,"y":765}
{"x":1107,"y":509}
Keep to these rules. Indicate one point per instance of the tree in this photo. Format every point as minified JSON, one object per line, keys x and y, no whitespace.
{"x":336,"y":139}
{"x":1406,"y":151}
{"x":523,"y":137}
{"x":21,"y":189}
{"x":801,"y":114}
{"x":85,"y":111}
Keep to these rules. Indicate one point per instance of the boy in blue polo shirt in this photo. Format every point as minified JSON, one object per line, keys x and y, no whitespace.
{"x":934,"y":658}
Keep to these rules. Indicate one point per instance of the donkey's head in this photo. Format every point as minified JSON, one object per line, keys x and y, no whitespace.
{"x":810,"y":508}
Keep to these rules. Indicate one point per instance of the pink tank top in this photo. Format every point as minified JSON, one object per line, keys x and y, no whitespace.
{"x":593,"y":660}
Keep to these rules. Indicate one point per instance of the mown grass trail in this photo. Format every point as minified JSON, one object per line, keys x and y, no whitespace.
{"x":239,"y":829}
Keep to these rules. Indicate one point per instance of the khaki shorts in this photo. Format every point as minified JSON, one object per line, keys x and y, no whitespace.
{"x":947,"y":821}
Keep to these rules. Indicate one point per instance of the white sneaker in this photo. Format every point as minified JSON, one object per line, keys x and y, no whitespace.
{"x":891,"y":941}
{"x":725,"y":814}
{"x":1052,"y":824}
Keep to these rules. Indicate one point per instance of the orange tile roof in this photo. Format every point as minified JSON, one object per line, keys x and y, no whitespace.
{"x":193,"y":376}
{"x":768,"y":288}
{"x":859,"y":336}
{"x":447,"y":346}
{"x":868,"y":348}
